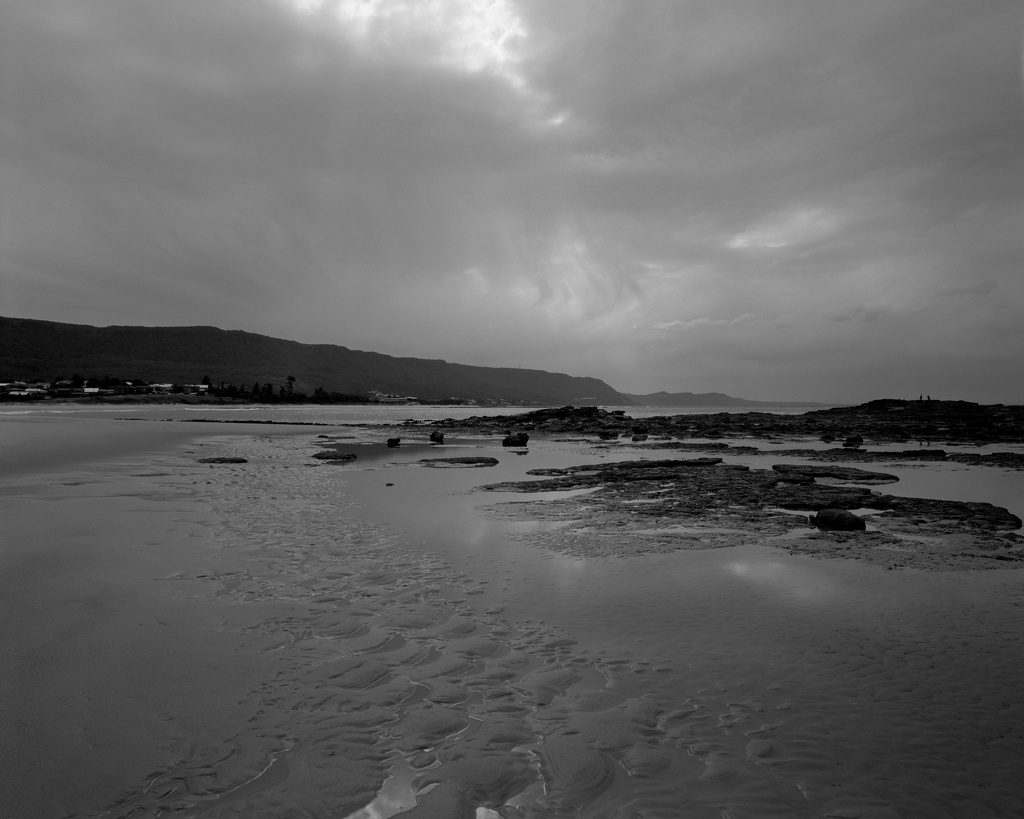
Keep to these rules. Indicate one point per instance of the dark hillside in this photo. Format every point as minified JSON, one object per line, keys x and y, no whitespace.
{"x":32,"y":349}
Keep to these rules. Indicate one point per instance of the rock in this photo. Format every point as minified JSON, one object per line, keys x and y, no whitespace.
{"x":658,"y":506}
{"x":803,"y":473}
{"x":394,"y":442}
{"x":334,"y":456}
{"x":223,"y":461}
{"x":882,"y":421}
{"x":794,"y":477}
{"x":1008,"y":460}
{"x":971,"y":515}
{"x":518,"y":439}
{"x":923,"y":454}
{"x":838,"y":520}
{"x":436,"y":437}
{"x":470,"y":461}
{"x":641,"y":507}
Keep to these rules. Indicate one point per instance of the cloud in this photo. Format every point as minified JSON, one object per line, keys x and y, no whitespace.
{"x":460,"y":34}
{"x":982,"y":288}
{"x":861,"y":313}
{"x":605,"y":188}
{"x":794,"y":227}
{"x":703,"y":321}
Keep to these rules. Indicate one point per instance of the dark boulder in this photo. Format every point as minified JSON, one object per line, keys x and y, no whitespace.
{"x":841,"y":520}
{"x":223,"y":461}
{"x":436,"y":437}
{"x":394,"y":442}
{"x":518,"y":439}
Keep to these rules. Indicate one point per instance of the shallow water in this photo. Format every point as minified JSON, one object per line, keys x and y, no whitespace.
{"x":287,"y":638}
{"x":330,"y":413}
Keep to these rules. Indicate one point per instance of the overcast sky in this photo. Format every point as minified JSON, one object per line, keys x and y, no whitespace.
{"x":775,"y":199}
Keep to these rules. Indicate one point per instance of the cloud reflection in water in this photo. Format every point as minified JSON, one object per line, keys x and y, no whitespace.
{"x":786,"y":580}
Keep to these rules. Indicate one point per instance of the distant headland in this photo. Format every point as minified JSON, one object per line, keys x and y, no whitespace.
{"x":40,"y":359}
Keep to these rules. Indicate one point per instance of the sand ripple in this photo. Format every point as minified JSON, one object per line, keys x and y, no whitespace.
{"x":374,"y":659}
{"x":576,"y":775}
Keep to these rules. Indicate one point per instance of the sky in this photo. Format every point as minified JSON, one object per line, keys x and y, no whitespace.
{"x":780,"y":200}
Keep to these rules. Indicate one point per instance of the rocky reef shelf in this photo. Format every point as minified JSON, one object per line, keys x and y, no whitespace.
{"x":877,"y":422}
{"x":665,"y":505}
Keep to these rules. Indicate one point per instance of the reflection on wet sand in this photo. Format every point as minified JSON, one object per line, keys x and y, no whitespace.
{"x":373,"y":645}
{"x":787,"y":581}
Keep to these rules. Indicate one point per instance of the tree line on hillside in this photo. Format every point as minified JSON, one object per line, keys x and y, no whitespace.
{"x":267,"y":393}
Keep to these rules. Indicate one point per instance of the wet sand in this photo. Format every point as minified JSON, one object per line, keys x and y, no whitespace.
{"x":285,"y":637}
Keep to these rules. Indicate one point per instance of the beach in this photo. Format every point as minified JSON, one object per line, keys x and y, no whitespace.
{"x":273,"y":635}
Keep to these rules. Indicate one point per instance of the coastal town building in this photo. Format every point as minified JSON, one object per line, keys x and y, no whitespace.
{"x":390,"y":398}
{"x":64,"y":388}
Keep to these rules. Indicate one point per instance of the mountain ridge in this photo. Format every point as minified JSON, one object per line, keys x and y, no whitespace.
{"x":32,"y":349}
{"x":37,"y":349}
{"x":709,"y":399}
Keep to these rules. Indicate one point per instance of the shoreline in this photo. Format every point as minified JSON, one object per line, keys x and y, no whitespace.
{"x":293,"y":636}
